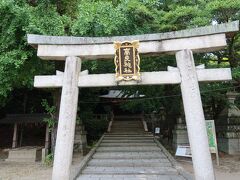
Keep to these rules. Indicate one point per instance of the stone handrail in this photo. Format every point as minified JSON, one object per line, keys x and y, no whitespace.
{"x":145,"y":126}
{"x":179,"y":168}
{"x":110,"y":126}
{"x":86,"y":159}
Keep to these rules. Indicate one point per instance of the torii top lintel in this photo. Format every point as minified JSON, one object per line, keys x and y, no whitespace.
{"x":201,"y":39}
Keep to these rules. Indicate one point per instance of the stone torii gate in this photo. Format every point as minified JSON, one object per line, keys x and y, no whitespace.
{"x":181,"y":43}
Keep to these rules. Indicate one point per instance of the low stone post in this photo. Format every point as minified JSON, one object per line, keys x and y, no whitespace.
{"x":80,"y":139}
{"x":180,"y":135}
{"x":15,"y":133}
{"x":67,"y":120}
{"x":228,"y":126}
{"x":197,"y":133}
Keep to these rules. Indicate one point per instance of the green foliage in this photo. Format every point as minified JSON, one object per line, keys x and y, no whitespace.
{"x":51,"y":111}
{"x":224,"y":10}
{"x":12,"y":54}
{"x":98,"y":18}
{"x":95,"y":127}
{"x":236,"y":73}
{"x":49,"y":23}
{"x":18,"y":61}
{"x":145,"y":16}
{"x":48,"y":161}
{"x":179,"y":18}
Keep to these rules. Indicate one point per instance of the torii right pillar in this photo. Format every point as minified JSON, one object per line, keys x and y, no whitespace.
{"x":197,"y":133}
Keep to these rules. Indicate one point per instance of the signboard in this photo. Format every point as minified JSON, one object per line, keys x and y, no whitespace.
{"x":157,"y":130}
{"x":183,"y":151}
{"x":212,"y":140}
{"x":127,"y":61}
{"x":211,"y":135}
{"x":211,"y":132}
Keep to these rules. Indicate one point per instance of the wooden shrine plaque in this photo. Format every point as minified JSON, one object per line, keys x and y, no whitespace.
{"x":127,"y":61}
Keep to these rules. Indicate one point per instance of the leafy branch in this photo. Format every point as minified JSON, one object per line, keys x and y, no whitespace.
{"x":51,"y":110}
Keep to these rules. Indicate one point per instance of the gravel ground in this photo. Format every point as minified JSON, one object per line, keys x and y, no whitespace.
{"x":24,"y":171}
{"x":29,"y":171}
{"x":229,"y":168}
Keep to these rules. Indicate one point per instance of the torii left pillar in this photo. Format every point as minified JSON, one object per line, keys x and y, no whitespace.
{"x":67,"y":120}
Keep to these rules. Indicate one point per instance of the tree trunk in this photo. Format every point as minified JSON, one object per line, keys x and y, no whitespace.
{"x":231,"y":53}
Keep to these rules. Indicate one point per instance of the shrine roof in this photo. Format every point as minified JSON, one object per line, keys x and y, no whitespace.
{"x":227,"y":28}
{"x":118,"y":94}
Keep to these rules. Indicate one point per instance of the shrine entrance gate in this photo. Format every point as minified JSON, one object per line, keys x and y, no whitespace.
{"x":181,"y":43}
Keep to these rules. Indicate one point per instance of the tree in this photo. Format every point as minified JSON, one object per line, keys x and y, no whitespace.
{"x":18,"y":61}
{"x":138,"y":17}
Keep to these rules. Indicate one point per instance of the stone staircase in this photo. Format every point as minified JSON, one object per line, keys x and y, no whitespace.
{"x":128,"y":153}
{"x":127,"y":127}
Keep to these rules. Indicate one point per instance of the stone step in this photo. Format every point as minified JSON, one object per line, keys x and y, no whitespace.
{"x":130,"y":170}
{"x":103,"y":144}
{"x":126,"y":122}
{"x":123,"y":129}
{"x":130,"y":133}
{"x":130,"y":163}
{"x":124,"y":134}
{"x":127,"y":125}
{"x":127,"y":141}
{"x":127,"y":130}
{"x":124,"y":119}
{"x":127,"y":135}
{"x":129,"y":149}
{"x":128,"y":138}
{"x":129,"y":177}
{"x":128,"y":155}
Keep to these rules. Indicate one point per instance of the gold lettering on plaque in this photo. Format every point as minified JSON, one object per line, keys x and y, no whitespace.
{"x":127,"y":61}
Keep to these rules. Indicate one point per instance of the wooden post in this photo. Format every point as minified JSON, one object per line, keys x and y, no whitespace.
{"x":67,"y":120}
{"x":15,"y":138}
{"x":21,"y":135}
{"x":197,"y":133}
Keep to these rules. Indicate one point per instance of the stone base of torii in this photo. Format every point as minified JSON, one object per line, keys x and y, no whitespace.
{"x":181,"y":43}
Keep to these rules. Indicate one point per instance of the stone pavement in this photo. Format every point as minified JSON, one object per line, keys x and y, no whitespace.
{"x":128,"y":153}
